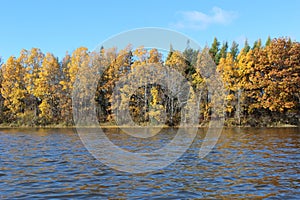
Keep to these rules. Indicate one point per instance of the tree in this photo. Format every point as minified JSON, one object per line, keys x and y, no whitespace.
{"x":47,"y":90}
{"x":31,"y":61}
{"x":213,"y":51}
{"x":156,"y":115}
{"x":13,"y":88}
{"x":177,"y":62}
{"x":154,"y":56}
{"x":257,"y":44}
{"x":64,"y":95}
{"x":223,"y":51}
{"x":1,"y":97}
{"x":70,"y":70}
{"x":245,"y":67}
{"x":106,"y":84}
{"x":271,"y":81}
{"x":268,"y":42}
{"x":119,"y":64}
{"x":190,"y":56}
{"x":230,"y":76}
{"x":234,"y":50}
{"x":280,"y":76}
{"x":204,"y":76}
{"x":171,"y":50}
{"x":254,"y":90}
{"x":246,"y":48}
{"x":261,"y":85}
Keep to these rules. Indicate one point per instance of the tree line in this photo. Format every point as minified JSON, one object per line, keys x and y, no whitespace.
{"x":261,"y":84}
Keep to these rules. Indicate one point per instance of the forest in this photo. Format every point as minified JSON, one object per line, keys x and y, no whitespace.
{"x":261,"y":84}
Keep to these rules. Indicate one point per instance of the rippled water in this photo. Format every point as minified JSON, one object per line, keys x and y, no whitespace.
{"x":246,"y":163}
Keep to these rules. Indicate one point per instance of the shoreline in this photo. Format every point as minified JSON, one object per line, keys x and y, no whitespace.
{"x":115,"y":126}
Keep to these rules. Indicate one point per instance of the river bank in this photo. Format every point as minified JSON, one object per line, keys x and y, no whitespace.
{"x":164,"y":126}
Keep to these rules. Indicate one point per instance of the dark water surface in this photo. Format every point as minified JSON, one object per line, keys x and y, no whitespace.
{"x":246,"y":163}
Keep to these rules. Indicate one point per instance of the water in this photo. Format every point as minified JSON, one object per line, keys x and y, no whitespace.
{"x":246,"y":163}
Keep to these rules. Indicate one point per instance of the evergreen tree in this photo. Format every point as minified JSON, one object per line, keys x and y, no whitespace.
{"x":214,"y":51}
{"x":223,"y":51}
{"x":191,"y":60}
{"x":171,"y":50}
{"x":246,"y":47}
{"x":234,"y":50}
{"x":268,"y":42}
{"x":257,"y":44}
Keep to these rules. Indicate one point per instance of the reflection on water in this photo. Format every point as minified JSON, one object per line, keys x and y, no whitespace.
{"x":246,"y":163}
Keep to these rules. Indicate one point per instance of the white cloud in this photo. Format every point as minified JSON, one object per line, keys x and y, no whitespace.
{"x":200,"y":20}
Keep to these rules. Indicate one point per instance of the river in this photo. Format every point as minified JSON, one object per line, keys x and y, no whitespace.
{"x":245,"y":163}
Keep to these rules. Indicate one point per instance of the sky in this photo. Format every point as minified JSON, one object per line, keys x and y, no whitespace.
{"x":58,"y":26}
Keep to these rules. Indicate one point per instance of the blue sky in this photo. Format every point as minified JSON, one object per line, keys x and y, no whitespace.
{"x":58,"y":26}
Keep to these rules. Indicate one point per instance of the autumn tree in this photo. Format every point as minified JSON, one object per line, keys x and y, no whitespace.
{"x":146,"y":108}
{"x":279,"y":77}
{"x":106,"y":84}
{"x":156,"y":106}
{"x":71,"y":67}
{"x":64,"y":95}
{"x":261,"y":84}
{"x":269,"y":79}
{"x":47,"y":90}
{"x":13,"y":88}
{"x":117,"y":65}
{"x":229,"y":73}
{"x":179,"y":63}
{"x":1,"y":97}
{"x":245,"y":67}
{"x":205,"y":71}
{"x":84,"y":88}
{"x":31,"y":61}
